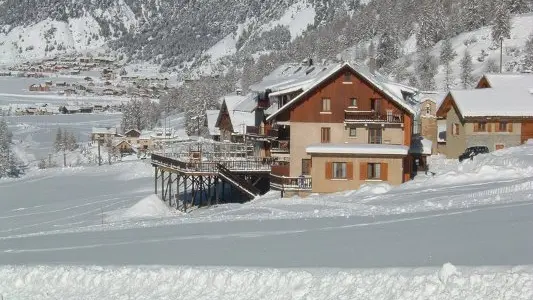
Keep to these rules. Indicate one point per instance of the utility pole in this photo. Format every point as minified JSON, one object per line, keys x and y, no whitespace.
{"x":64,"y":158}
{"x":99,"y":154}
{"x":501,"y":54}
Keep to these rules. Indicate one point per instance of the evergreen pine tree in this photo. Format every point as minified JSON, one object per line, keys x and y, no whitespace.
{"x":501,"y":27}
{"x":426,"y":68}
{"x":388,"y":49}
{"x":447,"y":55}
{"x":58,"y":142}
{"x":492,"y":66}
{"x":466,"y":70}
{"x":528,"y":54}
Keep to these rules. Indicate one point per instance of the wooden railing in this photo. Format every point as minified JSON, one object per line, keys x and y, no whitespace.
{"x":281,"y":146}
{"x":257,"y":164}
{"x":280,"y":170}
{"x":256,"y":130}
{"x":283,"y":183}
{"x":370,"y":116}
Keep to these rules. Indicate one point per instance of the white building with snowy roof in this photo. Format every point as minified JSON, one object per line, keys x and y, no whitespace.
{"x":498,"y":114}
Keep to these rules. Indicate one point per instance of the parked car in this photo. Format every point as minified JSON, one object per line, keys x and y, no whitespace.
{"x":470,"y":152}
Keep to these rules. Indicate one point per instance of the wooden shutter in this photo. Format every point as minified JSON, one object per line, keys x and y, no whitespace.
{"x":363,"y":171}
{"x":329,"y":170}
{"x":384,"y":169}
{"x":510,"y":127}
{"x":349,"y":171}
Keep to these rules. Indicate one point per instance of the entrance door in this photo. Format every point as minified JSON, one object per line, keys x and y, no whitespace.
{"x":375,"y":135}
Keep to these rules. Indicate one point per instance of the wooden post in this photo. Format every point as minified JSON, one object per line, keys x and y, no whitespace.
{"x":185,"y":194}
{"x":178,"y":191}
{"x":216,"y":190}
{"x":169,"y":187}
{"x":155,"y":179}
{"x":163,"y":185}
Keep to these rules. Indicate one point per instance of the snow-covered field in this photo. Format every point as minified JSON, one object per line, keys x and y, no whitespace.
{"x":98,"y":232}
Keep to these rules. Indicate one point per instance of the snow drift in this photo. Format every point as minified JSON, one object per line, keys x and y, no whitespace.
{"x":148,"y":208}
{"x":233,"y":283}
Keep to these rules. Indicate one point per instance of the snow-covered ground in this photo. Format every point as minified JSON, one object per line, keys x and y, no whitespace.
{"x":85,"y":232}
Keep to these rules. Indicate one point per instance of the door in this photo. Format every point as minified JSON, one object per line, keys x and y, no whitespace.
{"x":374,"y":135}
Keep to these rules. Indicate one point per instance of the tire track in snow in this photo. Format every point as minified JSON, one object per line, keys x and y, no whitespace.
{"x":258,"y":234}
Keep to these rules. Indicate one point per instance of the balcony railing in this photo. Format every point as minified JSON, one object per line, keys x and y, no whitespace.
{"x":280,"y":146}
{"x":370,"y":116}
{"x":261,"y":131}
{"x":256,"y":164}
{"x":282,"y":183}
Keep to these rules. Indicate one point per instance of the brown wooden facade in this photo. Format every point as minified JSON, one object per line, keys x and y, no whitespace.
{"x":340,"y":89}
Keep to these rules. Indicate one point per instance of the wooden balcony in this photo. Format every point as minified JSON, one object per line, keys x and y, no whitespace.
{"x":261,"y":131}
{"x":371,"y":117}
{"x":281,"y":146}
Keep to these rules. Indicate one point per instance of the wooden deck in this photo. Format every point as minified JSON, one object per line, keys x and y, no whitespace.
{"x":191,"y":167}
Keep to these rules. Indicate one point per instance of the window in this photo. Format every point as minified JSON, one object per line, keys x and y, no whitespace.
{"x":373,"y":171}
{"x":455,"y":129}
{"x":428,"y":110}
{"x":353,"y":132}
{"x":339,"y":170}
{"x":374,"y":104}
{"x":353,"y":102}
{"x":499,"y":146}
{"x":347,"y":77}
{"x":326,"y":105}
{"x":306,"y":166}
{"x":502,"y":126}
{"x":325,"y":135}
{"x":480,"y":127}
{"x":374,"y":135}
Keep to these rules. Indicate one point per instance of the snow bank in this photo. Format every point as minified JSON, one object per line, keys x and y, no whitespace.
{"x":149,"y":207}
{"x":64,"y":282}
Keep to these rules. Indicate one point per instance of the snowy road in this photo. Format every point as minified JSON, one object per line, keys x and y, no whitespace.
{"x":483,"y":236}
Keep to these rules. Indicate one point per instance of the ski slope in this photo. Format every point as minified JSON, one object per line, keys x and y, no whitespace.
{"x":98,"y":232}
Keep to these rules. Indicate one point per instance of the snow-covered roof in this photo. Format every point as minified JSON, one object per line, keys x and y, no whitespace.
{"x":212,"y":116}
{"x":421,"y":145}
{"x":240,"y":111}
{"x":367,"y":149}
{"x":292,"y":76}
{"x":510,"y":80}
{"x":494,"y":102}
{"x":435,"y":97}
{"x":378,"y":82}
{"x":110,"y":130}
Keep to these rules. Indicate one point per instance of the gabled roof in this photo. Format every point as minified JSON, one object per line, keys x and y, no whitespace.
{"x":292,"y":76}
{"x":371,"y":79}
{"x":239,"y":112}
{"x":489,"y":103}
{"x":510,"y":80}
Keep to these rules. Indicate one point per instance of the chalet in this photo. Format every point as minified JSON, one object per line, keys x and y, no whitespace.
{"x":477,"y":117}
{"x":342,"y":127}
{"x":86,"y":109}
{"x":39,"y":88}
{"x":98,"y":108}
{"x":234,"y":116}
{"x":132,"y":133}
{"x":69,"y":109}
{"x":103,"y":133}
{"x":108,"y":92}
{"x":123,"y":147}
